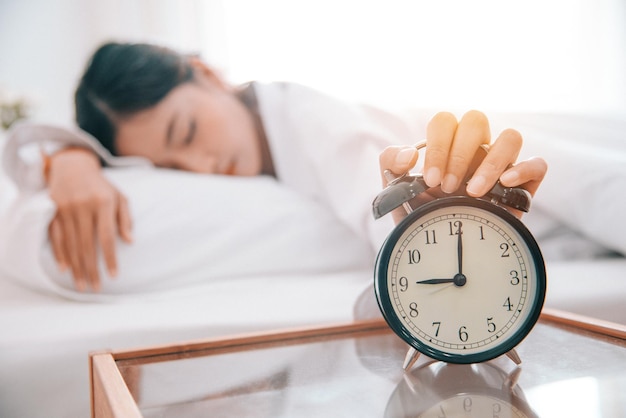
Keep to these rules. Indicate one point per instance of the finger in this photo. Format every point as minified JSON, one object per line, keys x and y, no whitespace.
{"x":72,"y":250}
{"x":55,"y":235}
{"x":528,"y":174}
{"x":87,"y":252}
{"x":106,"y":227}
{"x":473,"y":131}
{"x":501,"y":155}
{"x":398,"y":160}
{"x":124,"y":219}
{"x":439,"y":136}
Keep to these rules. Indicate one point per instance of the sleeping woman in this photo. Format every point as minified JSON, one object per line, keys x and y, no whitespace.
{"x":173,"y":111}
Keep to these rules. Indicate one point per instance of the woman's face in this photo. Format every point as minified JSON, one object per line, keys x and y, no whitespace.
{"x":200,"y":126}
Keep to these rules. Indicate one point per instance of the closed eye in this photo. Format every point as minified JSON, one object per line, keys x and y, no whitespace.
{"x":190,"y":135}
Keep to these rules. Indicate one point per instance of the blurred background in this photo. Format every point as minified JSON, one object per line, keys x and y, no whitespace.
{"x":532,"y":55}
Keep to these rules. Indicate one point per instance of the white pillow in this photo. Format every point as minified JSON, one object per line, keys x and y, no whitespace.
{"x":190,"y":228}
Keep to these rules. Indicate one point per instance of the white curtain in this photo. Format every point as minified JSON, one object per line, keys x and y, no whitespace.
{"x":553,"y":55}
{"x":538,"y":55}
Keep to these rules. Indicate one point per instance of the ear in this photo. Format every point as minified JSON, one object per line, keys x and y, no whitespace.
{"x":205,"y":73}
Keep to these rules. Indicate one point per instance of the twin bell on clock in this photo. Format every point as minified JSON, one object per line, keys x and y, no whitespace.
{"x":460,"y":279}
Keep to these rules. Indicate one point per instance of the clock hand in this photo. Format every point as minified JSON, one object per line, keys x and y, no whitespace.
{"x":436,"y":281}
{"x":459,"y":248}
{"x":458,"y":280}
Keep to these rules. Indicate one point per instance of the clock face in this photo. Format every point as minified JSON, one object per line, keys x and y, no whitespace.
{"x":468,"y":405}
{"x":461,"y":280}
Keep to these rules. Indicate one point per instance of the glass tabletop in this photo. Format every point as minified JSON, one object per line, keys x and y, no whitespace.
{"x":357,"y":371}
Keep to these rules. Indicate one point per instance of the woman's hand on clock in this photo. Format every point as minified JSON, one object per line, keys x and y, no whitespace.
{"x":451,"y":146}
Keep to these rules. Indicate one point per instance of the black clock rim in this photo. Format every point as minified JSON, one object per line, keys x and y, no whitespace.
{"x":384,"y":301}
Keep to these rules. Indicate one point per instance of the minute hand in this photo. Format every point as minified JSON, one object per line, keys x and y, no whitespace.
{"x":459,"y":248}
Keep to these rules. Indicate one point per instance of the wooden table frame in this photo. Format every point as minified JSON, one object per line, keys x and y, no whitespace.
{"x":111,"y":396}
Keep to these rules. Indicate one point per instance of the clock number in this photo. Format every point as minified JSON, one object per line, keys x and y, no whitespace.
{"x":413,"y":312}
{"x":458,"y":230}
{"x":414,"y":256}
{"x":491,"y":326}
{"x":463,"y":335}
{"x":404,"y":284}
{"x":482,"y":233}
{"x":508,"y":305}
{"x":505,"y":249}
{"x":430,"y":234}
{"x":438,"y":325}
{"x":497,"y":408}
{"x":514,"y":277}
{"x":467,"y":404}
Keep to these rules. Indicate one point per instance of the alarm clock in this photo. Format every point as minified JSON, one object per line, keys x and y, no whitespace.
{"x":460,"y":279}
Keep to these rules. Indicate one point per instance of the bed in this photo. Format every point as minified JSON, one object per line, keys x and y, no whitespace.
{"x":48,"y":329}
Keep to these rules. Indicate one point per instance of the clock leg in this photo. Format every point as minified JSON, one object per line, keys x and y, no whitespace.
{"x":514,"y":356}
{"x":512,"y":379}
{"x":411,"y":357}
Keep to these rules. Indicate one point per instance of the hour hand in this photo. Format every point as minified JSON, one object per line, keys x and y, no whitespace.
{"x":458,"y":280}
{"x":435,"y":281}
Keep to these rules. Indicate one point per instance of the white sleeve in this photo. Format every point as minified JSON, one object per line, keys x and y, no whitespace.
{"x":22,"y":157}
{"x":24,"y":226}
{"x":348,"y":169}
{"x":329,"y":149}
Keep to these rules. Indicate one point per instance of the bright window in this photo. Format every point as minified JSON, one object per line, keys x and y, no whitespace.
{"x":521,"y":55}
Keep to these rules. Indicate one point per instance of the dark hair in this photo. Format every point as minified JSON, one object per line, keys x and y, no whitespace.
{"x":122,"y":79}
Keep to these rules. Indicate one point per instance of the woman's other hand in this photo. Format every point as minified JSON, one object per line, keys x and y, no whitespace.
{"x":451,"y":146}
{"x":90,"y":213}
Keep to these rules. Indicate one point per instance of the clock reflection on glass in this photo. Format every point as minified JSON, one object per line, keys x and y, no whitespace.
{"x":442,"y":390}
